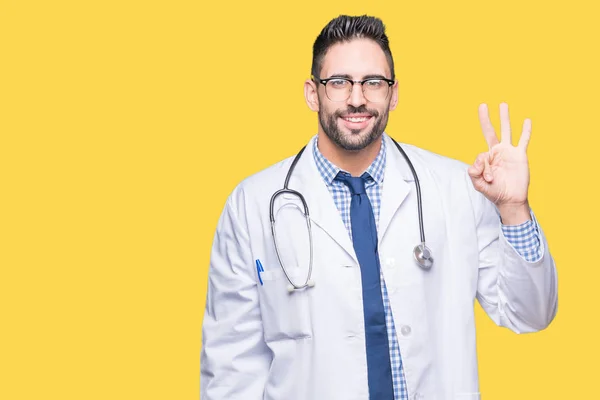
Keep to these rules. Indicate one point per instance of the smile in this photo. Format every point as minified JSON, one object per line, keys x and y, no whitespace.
{"x":356,"y":119}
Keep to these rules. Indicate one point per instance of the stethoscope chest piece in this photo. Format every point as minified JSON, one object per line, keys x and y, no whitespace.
{"x":423,"y":256}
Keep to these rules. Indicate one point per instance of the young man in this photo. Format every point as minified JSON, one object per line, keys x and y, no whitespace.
{"x":350,"y":303}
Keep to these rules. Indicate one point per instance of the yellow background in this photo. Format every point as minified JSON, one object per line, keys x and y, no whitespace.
{"x":125,"y":124}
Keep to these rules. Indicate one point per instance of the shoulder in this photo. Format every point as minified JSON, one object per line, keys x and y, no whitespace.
{"x":451,"y":178}
{"x":449,"y":175}
{"x":435,"y":163}
{"x":256,"y":186}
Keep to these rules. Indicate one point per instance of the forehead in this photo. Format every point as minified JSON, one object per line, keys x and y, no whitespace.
{"x":356,"y":58}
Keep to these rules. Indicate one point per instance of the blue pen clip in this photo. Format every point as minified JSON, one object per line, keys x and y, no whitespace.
{"x":259,"y":269}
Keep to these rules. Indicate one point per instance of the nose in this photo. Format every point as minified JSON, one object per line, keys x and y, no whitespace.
{"x":357,"y":98}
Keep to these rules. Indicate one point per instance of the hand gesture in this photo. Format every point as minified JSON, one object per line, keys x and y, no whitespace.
{"x":502,"y":173}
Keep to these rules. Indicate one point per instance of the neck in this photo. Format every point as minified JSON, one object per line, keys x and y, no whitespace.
{"x":353,"y":161}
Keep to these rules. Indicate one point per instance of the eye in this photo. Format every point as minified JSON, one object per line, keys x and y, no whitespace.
{"x":337,"y":83}
{"x":374,"y":83}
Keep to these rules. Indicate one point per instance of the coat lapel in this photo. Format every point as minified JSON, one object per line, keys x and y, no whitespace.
{"x":307,"y":180}
{"x":397,"y":184}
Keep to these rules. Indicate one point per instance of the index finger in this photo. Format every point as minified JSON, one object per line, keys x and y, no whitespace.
{"x":486,"y":126}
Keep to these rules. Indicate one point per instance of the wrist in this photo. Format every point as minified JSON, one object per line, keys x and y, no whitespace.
{"x":515,"y":214}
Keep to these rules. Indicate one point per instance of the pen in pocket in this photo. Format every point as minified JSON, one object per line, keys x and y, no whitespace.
{"x":259,"y":269}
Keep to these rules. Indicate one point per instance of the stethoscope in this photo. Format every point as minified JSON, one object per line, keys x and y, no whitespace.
{"x":421,"y":253}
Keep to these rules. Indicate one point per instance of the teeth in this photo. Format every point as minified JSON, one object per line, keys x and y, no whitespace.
{"x":361,"y":119}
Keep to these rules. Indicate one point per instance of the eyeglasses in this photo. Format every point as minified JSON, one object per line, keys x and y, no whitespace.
{"x":375,"y":90}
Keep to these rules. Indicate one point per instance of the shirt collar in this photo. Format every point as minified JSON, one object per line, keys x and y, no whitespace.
{"x":329,"y":171}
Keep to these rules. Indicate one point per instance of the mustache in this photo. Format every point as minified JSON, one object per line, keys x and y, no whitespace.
{"x":356,"y":110}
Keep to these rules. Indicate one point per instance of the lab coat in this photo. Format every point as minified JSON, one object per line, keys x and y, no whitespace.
{"x":261,"y":342}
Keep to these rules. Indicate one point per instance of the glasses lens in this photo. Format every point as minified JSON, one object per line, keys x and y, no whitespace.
{"x":338,"y":89}
{"x":376,"y":90}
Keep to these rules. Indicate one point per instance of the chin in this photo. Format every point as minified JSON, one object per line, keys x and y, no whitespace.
{"x":355,"y":141}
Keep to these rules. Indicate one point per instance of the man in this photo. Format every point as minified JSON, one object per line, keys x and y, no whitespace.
{"x":355,"y":310}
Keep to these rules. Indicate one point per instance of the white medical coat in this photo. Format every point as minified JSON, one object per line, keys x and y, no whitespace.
{"x":261,"y":342}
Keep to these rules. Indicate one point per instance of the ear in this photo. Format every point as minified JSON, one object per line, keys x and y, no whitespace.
{"x":394,"y":100}
{"x":310,"y":95}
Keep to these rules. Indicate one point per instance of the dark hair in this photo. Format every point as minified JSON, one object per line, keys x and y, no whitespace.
{"x":345,"y":28}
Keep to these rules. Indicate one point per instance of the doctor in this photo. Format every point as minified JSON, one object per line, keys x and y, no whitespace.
{"x":348,"y":304}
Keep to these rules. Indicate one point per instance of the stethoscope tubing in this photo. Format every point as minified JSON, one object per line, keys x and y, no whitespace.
{"x":423,"y":263}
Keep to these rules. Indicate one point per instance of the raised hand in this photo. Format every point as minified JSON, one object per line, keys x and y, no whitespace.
{"x":502,"y":172}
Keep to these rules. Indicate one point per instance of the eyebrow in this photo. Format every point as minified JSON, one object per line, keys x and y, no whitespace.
{"x":374,"y":76}
{"x":347,"y":76}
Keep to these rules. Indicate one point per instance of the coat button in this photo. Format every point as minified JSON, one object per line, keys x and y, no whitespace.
{"x":405,"y":330}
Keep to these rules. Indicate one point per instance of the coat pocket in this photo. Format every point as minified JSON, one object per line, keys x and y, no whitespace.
{"x":285,"y":313}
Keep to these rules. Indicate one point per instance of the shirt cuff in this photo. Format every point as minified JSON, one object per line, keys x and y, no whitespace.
{"x":525,"y":238}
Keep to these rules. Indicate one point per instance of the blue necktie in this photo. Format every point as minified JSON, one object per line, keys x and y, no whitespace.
{"x":364,"y":237}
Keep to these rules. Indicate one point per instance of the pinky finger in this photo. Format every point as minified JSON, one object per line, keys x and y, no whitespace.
{"x":526,"y":134}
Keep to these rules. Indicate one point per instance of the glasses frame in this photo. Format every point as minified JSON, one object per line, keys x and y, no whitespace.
{"x":362,"y":82}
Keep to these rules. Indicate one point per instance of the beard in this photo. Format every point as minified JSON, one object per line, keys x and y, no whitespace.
{"x":357,"y":139}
